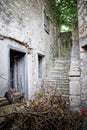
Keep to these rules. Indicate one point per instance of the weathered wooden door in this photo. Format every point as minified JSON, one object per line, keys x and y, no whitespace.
{"x":17,"y":70}
{"x":19,"y":74}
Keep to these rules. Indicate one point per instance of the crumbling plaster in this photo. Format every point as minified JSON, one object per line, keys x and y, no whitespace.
{"x":24,"y":21}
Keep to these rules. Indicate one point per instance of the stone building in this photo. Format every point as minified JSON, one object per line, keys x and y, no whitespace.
{"x":82,"y":22}
{"x":78,"y":69}
{"x":28,"y":44}
{"x":31,"y":48}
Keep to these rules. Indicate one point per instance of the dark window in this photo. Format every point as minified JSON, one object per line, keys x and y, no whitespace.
{"x":40,"y":65}
{"x":46,"y":21}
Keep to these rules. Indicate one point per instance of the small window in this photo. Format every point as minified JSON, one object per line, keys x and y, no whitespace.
{"x":40,"y":65}
{"x":46,"y":21}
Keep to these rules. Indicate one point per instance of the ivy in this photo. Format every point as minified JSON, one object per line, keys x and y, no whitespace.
{"x":65,"y":12}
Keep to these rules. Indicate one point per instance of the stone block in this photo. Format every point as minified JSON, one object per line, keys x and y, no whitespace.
{"x":75,"y":101}
{"x":75,"y":87}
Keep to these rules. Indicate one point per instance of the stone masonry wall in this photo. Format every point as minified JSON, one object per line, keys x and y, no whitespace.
{"x":82,"y":20}
{"x":23,"y":20}
{"x":74,"y":74}
{"x":65,"y":45}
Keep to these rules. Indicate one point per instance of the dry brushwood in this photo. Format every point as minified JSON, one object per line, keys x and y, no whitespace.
{"x":47,"y":112}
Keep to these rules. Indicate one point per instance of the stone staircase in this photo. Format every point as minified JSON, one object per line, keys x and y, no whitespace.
{"x":58,"y":76}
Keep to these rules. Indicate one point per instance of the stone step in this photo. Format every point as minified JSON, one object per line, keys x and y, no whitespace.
{"x":61,"y":64}
{"x":57,"y":85}
{"x":59,"y":69}
{"x":63,"y":92}
{"x":63,"y":60}
{"x":58,"y":77}
{"x":57,"y":80}
{"x":63,"y":89}
{"x":58,"y":72}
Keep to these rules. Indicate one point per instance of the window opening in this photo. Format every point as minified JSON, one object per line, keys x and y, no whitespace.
{"x":40,"y":65}
{"x":46,"y":21}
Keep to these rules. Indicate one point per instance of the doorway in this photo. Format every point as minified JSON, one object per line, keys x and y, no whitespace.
{"x":17,"y":71}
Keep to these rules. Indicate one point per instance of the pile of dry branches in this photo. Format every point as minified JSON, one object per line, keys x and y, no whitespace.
{"x":47,"y":112}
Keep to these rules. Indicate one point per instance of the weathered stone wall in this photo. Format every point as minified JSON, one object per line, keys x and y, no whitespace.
{"x":23,"y":20}
{"x":65,"y":45}
{"x":74,"y":74}
{"x":82,"y":20}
